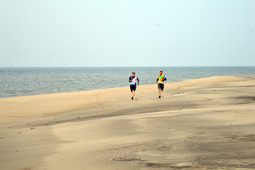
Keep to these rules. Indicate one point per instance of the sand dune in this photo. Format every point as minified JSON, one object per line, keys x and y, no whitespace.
{"x":198,"y":124}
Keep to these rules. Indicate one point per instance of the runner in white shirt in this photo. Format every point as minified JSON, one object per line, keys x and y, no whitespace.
{"x":133,"y":82}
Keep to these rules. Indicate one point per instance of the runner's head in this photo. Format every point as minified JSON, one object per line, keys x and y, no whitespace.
{"x":160,"y":73}
{"x":133,"y":74}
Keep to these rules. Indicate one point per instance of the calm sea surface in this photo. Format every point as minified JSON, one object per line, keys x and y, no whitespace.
{"x":31,"y":81}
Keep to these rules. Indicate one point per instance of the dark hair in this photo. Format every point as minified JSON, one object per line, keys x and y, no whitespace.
{"x":133,"y":73}
{"x":161,"y":71}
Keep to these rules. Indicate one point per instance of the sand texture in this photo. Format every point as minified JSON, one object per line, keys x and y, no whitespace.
{"x":204,"y":123}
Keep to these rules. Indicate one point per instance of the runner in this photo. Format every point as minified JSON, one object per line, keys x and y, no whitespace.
{"x":160,"y":80}
{"x":133,"y":79}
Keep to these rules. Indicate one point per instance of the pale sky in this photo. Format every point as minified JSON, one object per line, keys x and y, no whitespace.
{"x":60,"y":33}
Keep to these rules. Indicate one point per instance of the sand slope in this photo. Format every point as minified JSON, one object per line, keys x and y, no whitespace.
{"x":198,"y":124}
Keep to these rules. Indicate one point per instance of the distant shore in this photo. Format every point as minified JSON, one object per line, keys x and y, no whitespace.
{"x":198,"y":124}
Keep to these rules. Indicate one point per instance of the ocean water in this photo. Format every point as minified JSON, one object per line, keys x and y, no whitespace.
{"x":31,"y":81}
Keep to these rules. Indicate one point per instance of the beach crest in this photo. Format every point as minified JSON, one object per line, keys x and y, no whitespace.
{"x":197,"y":124}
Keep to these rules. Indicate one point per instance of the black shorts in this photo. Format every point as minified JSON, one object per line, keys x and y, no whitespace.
{"x":132,"y":87}
{"x":161,"y":86}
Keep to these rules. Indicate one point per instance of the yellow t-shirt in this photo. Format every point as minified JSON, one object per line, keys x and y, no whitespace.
{"x":161,"y":79}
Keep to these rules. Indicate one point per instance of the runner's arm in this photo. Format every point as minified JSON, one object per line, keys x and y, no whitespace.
{"x":130,"y":80}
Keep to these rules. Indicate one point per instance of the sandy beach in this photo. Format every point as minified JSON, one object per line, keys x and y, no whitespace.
{"x":203,"y":123}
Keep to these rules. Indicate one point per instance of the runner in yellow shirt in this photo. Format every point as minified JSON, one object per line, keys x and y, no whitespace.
{"x":160,"y":80}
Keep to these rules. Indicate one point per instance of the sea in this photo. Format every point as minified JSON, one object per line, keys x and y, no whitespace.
{"x":33,"y":81}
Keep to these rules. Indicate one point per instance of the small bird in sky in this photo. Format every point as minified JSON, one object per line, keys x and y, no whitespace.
{"x":158,"y":25}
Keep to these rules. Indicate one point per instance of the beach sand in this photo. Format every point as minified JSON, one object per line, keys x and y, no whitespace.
{"x":204,"y":123}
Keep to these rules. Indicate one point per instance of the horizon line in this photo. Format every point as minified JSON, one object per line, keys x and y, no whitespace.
{"x":114,"y":66}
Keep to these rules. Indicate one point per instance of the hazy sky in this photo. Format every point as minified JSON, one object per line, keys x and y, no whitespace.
{"x":127,"y":33}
